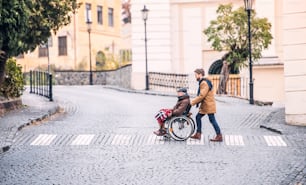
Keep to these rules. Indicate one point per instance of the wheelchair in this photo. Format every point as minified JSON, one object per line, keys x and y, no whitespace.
{"x":180,"y":128}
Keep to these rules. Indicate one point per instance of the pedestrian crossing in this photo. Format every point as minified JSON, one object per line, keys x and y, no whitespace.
{"x":43,"y":139}
{"x":275,"y":141}
{"x":234,"y":140}
{"x":129,"y":139}
{"x":121,"y":139}
{"x":82,"y":140}
{"x":195,"y":142}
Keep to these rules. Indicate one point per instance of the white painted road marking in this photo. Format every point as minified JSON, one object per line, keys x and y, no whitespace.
{"x":234,"y":140}
{"x":82,"y":140}
{"x":125,"y":139}
{"x":43,"y":139}
{"x":275,"y":141}
{"x":195,"y":141}
{"x":155,"y":140}
{"x":121,"y":140}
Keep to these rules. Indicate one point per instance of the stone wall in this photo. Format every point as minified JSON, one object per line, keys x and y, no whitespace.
{"x":120,"y":77}
{"x":8,"y":105}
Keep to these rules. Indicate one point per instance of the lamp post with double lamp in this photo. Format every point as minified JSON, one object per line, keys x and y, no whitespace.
{"x":248,"y":9}
{"x":89,"y":40}
{"x":145,"y":12}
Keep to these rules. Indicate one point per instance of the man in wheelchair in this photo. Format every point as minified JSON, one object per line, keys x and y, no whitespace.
{"x":182,"y":107}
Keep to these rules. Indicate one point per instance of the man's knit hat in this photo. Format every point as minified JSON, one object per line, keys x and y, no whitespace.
{"x":183,"y":89}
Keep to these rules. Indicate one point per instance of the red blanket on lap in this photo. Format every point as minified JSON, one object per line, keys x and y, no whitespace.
{"x":162,"y":115}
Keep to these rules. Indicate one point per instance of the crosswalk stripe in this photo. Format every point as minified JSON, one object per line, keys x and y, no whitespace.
{"x":195,"y":141}
{"x":43,"y":139}
{"x":121,"y":140}
{"x":234,"y":140}
{"x":155,"y":140}
{"x":82,"y":139}
{"x":274,"y":141}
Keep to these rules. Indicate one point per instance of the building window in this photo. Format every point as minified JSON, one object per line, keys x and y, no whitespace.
{"x":62,"y":46}
{"x":100,"y":60}
{"x":111,"y":17}
{"x":126,"y":55}
{"x":88,"y":12}
{"x":100,"y":15}
{"x":42,"y":51}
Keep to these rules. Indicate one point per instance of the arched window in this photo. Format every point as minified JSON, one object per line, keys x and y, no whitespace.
{"x":100,"y":59}
{"x":216,"y":67}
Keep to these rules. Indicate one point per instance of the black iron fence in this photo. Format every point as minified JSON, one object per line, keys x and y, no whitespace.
{"x":41,"y":84}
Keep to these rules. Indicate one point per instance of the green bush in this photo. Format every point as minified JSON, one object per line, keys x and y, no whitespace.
{"x":13,"y":85}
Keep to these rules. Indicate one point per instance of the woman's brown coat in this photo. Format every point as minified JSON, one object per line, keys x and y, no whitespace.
{"x":206,"y":98}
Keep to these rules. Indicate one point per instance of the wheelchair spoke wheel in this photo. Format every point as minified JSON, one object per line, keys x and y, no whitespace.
{"x":181,"y":128}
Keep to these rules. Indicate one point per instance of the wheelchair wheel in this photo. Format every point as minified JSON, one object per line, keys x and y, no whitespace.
{"x":181,"y":128}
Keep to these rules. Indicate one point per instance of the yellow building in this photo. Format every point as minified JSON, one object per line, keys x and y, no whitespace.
{"x":69,"y":48}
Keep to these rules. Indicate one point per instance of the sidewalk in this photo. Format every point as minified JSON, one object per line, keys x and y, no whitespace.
{"x":36,"y":108}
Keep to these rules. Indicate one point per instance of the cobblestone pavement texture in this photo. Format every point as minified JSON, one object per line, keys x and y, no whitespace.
{"x":35,"y":109}
{"x":104,"y":136}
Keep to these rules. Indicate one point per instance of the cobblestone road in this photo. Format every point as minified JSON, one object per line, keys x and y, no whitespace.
{"x":105,"y":137}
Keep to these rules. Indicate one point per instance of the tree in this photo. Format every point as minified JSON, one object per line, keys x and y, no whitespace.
{"x":24,"y":24}
{"x":229,"y":32}
{"x":13,"y":84}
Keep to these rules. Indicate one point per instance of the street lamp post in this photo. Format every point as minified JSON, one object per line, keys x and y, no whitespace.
{"x":89,"y":40}
{"x":49,"y":44}
{"x":248,"y":8}
{"x":145,"y":18}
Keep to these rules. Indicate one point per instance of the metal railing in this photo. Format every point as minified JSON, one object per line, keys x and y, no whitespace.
{"x":167,"y":82}
{"x":234,"y":87}
{"x":170,"y":82}
{"x":41,"y":84}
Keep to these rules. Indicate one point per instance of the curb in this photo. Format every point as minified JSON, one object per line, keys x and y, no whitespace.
{"x":268,"y":120}
{"x":140,"y":92}
{"x":41,"y":118}
{"x":15,"y":130}
{"x":271,"y":129}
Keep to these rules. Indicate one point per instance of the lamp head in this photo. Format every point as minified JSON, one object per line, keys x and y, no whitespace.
{"x":248,"y":4}
{"x":145,"y":12}
{"x":88,"y":22}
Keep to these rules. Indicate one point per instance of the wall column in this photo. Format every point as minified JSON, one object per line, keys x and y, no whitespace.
{"x":294,"y":43}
